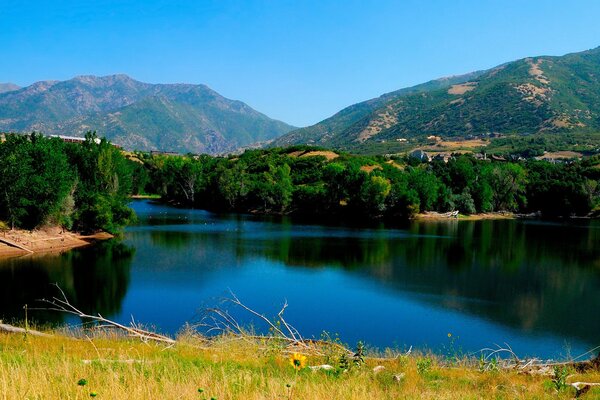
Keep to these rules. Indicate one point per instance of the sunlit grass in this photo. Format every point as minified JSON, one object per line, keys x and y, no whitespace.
{"x":110,"y":367}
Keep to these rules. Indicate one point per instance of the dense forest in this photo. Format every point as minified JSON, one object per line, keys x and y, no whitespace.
{"x":304,"y":181}
{"x":86,"y":186}
{"x":45,"y":181}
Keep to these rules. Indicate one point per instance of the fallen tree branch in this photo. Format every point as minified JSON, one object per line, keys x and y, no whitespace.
{"x":583,"y":387}
{"x":221,"y":321}
{"x":62,"y":305}
{"x":493,"y":358}
{"x":13,"y":329}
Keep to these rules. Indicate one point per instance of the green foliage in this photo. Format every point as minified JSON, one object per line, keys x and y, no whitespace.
{"x":561,"y":373}
{"x":46,"y":181}
{"x":359,"y":357}
{"x":507,"y":182}
{"x":464,"y":202}
{"x":36,"y":180}
{"x":275,"y":182}
{"x":426,"y":184}
{"x":373,"y":194}
{"x":424,"y":365}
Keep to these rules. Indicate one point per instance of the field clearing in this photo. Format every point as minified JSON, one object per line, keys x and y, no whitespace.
{"x":557,"y":155}
{"x":329,"y":155}
{"x":451,"y":145}
{"x":111,"y":367}
{"x":370,"y":168}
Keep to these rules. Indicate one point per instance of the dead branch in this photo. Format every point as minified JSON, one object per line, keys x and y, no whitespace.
{"x":13,"y":329}
{"x":535,"y":366}
{"x":582,"y":388}
{"x":221,"y":321}
{"x":61,"y":304}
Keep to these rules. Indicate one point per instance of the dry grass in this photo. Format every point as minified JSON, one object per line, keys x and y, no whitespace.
{"x":370,"y":168}
{"x":381,"y":121}
{"x":462,"y":88}
{"x":329,"y":155}
{"x":558,"y":155}
{"x":451,"y":145}
{"x":535,"y":70}
{"x":50,"y":368}
{"x":395,"y":164}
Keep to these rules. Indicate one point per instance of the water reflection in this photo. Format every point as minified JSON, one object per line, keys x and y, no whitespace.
{"x":532,"y":276}
{"x":529,"y":283}
{"x":535,"y":277}
{"x":95,"y":280}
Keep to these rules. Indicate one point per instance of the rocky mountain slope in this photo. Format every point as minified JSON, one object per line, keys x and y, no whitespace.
{"x":137,"y":115}
{"x":8,"y":87}
{"x":531,"y":95}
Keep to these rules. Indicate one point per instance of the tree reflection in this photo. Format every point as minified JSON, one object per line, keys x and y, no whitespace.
{"x":95,"y":280}
{"x":533,"y":276}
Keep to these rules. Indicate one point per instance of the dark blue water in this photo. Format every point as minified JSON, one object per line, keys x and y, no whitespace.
{"x":532,"y":285}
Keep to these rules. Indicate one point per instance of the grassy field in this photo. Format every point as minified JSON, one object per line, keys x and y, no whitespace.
{"x":121,"y":368}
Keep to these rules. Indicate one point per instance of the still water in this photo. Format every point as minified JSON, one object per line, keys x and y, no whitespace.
{"x":533,"y":285}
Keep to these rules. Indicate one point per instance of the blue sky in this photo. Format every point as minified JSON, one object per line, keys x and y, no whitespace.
{"x":298,"y":61}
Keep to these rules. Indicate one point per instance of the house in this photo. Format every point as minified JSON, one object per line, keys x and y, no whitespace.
{"x":420,"y":155}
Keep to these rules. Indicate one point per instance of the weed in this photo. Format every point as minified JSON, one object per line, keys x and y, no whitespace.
{"x":424,"y":365}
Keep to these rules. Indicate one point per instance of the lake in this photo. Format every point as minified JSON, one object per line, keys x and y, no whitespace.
{"x":534,"y":285}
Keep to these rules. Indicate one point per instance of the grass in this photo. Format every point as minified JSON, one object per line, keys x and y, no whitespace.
{"x":113,"y":367}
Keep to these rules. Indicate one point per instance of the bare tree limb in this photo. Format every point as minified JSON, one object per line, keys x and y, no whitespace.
{"x":62,"y":304}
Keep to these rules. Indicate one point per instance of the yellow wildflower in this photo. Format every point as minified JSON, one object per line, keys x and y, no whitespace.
{"x":298,"y":361}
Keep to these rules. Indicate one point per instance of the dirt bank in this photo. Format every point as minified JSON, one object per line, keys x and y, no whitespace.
{"x":434,"y":216}
{"x":15,"y":243}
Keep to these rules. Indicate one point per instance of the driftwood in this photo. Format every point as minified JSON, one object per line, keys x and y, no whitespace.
{"x":222,"y":322}
{"x":583,"y":387}
{"x":103,"y":360}
{"x":5,"y":328}
{"x":62,"y":305}
{"x":12,"y":243}
{"x":536,"y":366}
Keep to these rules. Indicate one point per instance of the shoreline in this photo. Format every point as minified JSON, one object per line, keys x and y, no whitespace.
{"x":435,"y":216}
{"x":19,"y":242}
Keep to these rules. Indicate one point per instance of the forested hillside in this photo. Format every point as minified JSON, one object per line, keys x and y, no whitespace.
{"x":533,"y":95}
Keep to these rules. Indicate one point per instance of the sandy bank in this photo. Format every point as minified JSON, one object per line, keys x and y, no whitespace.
{"x":15,"y":243}
{"x":434,"y":216}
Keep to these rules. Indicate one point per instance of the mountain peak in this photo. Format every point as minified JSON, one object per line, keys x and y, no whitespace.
{"x":8,"y":87}
{"x":141,"y":116}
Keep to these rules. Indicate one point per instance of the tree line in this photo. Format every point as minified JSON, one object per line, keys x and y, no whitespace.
{"x":86,"y":187}
{"x":45,"y":181}
{"x":299,"y":181}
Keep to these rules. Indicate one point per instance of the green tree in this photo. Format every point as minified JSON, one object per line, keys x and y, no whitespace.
{"x":373,"y":194}
{"x":508,"y":183}
{"x":426,"y":185}
{"x":234,"y":183}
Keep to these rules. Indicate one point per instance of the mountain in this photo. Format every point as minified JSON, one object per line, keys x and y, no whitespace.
{"x":8,"y":87}
{"x":531,"y":95}
{"x":137,"y":115}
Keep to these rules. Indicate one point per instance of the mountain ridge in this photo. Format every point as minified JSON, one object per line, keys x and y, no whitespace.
{"x":137,"y":115}
{"x":550,"y":94}
{"x":8,"y":87}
